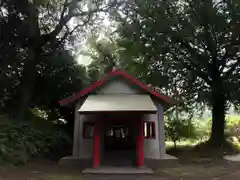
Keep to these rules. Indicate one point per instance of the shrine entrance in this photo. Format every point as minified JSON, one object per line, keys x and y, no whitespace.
{"x":119,"y":136}
{"x":119,"y":142}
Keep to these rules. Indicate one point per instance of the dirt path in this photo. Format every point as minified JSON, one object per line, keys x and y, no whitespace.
{"x":220,"y":170}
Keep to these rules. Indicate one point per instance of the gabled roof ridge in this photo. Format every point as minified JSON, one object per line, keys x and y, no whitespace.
{"x":114,"y":73}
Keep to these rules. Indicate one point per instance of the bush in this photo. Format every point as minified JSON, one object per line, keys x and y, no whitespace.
{"x":177,"y":130}
{"x":21,"y":141}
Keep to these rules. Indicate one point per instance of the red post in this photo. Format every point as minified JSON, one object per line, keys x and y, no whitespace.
{"x":140,"y":144}
{"x":96,"y":145}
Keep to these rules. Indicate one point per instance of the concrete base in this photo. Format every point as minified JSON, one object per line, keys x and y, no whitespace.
{"x":234,"y":158}
{"x":80,"y":163}
{"x":167,"y":156}
{"x":118,"y":170}
{"x":166,"y":161}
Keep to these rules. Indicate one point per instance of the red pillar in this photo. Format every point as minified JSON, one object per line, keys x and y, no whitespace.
{"x":140,"y":144}
{"x":96,"y":145}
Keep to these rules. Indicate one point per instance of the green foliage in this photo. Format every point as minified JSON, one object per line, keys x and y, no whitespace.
{"x":34,"y":36}
{"x":39,"y":113}
{"x":179,"y":127}
{"x":60,"y":76}
{"x":21,"y":141}
{"x":104,"y":54}
{"x":203,"y":128}
{"x":176,"y":130}
{"x":232,"y":121}
{"x":232,"y":128}
{"x":186,"y":47}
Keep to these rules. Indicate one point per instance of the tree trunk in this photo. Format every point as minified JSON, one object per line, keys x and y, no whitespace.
{"x":218,"y":113}
{"x":27,"y":85}
{"x":175,"y":144}
{"x":218,"y":121}
{"x":29,"y":71}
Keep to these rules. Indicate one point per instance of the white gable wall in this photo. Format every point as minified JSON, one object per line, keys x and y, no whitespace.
{"x":117,"y":87}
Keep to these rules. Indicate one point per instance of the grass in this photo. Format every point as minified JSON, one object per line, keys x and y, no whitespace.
{"x":202,"y":151}
{"x":201,"y":161}
{"x":194,"y":171}
{"x":189,"y":143}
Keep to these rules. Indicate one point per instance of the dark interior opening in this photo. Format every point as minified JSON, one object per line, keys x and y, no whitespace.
{"x":119,"y":144}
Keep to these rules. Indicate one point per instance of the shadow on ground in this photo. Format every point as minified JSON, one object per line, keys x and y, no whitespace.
{"x":197,"y":163}
{"x":205,"y":170}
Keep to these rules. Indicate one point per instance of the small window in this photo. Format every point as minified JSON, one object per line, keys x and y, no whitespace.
{"x":149,"y":130}
{"x":88,"y":129}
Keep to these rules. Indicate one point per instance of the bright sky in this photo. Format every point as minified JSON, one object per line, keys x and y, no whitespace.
{"x":86,"y":60}
{"x":83,"y":60}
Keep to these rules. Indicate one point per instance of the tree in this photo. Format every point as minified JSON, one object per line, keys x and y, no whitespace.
{"x":104,"y":55}
{"x":37,"y":29}
{"x":60,"y":76}
{"x":179,"y":126}
{"x":194,"y":44}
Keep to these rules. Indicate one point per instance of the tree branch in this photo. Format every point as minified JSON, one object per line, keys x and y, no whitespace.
{"x":197,"y":69}
{"x":195,"y":54}
{"x":228,"y":55}
{"x":192,"y":50}
{"x":64,"y":19}
{"x":69,"y":33}
{"x":230,"y":71}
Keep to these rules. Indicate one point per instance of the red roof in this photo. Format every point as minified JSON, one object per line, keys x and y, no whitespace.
{"x":115,"y":73}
